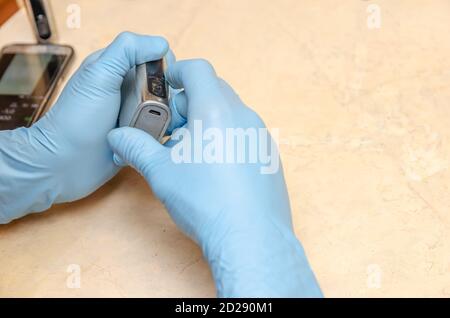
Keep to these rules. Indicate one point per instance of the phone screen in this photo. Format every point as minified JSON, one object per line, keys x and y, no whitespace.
{"x":25,"y":79}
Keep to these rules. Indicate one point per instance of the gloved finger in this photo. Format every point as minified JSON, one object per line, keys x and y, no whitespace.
{"x":128,"y":50}
{"x":199,"y":80}
{"x":178,"y":105}
{"x":178,"y":118}
{"x":230,"y":93}
{"x":138,"y":149}
{"x":170,"y":58}
{"x":118,"y":161}
{"x":170,"y":143}
{"x":91,"y":58}
{"x":176,"y":100}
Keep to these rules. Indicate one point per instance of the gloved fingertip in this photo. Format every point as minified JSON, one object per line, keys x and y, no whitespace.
{"x":179,"y":103}
{"x":118,"y":161}
{"x":178,"y":107}
{"x":112,"y":136}
{"x":115,"y":135}
{"x":170,"y":57}
{"x":161,"y":43}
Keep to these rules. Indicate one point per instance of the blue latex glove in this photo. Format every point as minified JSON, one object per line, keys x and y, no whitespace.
{"x":65,"y":155}
{"x":240,"y":217}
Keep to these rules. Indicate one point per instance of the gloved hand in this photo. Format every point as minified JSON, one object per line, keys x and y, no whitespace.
{"x":65,"y":155}
{"x":239,"y":215}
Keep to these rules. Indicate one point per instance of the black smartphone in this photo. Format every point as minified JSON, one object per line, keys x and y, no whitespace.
{"x":29,"y":74}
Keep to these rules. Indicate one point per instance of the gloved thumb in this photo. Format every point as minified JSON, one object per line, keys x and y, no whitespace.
{"x":138,"y":149}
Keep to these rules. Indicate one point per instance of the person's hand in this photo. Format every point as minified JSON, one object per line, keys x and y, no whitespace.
{"x":238,"y":213}
{"x":65,"y":155}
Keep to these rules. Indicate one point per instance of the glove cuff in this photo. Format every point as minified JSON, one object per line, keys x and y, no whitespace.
{"x":267,"y":261}
{"x":26,"y":185}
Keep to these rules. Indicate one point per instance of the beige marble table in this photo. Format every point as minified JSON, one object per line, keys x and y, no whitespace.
{"x":363,"y":109}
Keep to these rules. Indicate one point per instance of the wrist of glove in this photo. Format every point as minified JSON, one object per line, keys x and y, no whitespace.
{"x":259,"y":259}
{"x":26,"y":184}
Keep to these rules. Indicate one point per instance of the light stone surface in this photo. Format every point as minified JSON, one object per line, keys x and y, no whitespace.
{"x":364,"y":120}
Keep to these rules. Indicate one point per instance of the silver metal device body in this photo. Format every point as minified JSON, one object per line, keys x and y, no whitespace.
{"x":145,"y":99}
{"x":42,"y":20}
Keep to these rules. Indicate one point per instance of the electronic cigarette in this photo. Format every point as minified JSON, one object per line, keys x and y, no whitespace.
{"x":145,"y":99}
